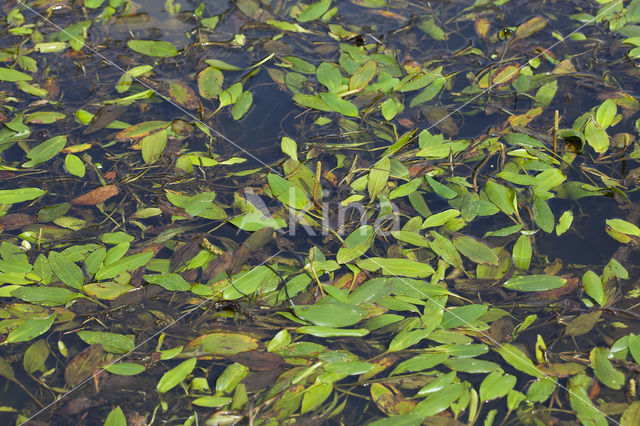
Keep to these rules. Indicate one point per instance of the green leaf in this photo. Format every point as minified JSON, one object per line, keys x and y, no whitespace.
{"x":438,"y":401}
{"x":593,"y":287}
{"x":522,"y":252}
{"x":430,"y":27}
{"x":606,"y":112}
{"x":389,"y":109}
{"x":288,"y":193}
{"x":43,"y":117}
{"x":221,"y":65}
{"x":496,"y":385}
{"x":462,"y":315}
{"x":248,"y":282}
{"x":47,"y":296}
{"x":604,"y":370}
{"x":12,"y":196}
{"x":116,"y":418}
{"x":564,"y":222}
{"x":444,"y":248}
{"x":128,"y":263}
{"x":8,"y":74}
{"x":242,"y":105}
{"x":378,"y":177}
{"x":420,"y":362}
{"x":223,"y":343}
{"x":315,"y":395}
{"x":356,"y":244}
{"x":339,"y":105}
{"x":440,"y":189}
{"x":333,"y":314}
{"x":401,"y":267}
{"x":534,"y":283}
{"x":159,"y":49}
{"x":504,"y":198}
{"x":518,"y":360}
{"x":475,"y":250}
{"x":153,"y":146}
{"x":45,"y":151}
{"x":230,"y":377}
{"x":579,"y":399}
{"x":66,"y":270}
{"x":289,"y":148}
{"x":321,"y":331}
{"x":542,"y":214}
{"x":329,"y":75}
{"x":314,"y":11}
{"x":429,"y":92}
{"x":406,"y":339}
{"x":74,"y":165}
{"x":125,"y":368}
{"x":176,"y":375}
{"x":210,"y":82}
{"x":212,"y":401}
{"x":624,"y":227}
{"x":362,"y":76}
{"x":631,"y":415}
{"x":30,"y":329}
{"x":111,"y":342}
{"x":35,"y":357}
{"x":171,"y":282}
{"x":440,"y":219}
{"x":596,"y":137}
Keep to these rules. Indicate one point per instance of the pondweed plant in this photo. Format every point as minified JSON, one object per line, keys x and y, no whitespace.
{"x":341,"y":212}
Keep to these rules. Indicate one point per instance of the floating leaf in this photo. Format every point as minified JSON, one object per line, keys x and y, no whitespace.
{"x":518,"y":360}
{"x":401,"y":267}
{"x":45,"y":151}
{"x":314,"y":11}
{"x":222,"y":343}
{"x":47,"y":296}
{"x":8,"y":74}
{"x":111,"y":342}
{"x":604,"y":370}
{"x":534,"y":283}
{"x":624,"y":227}
{"x":355,"y":245}
{"x":522,"y":252}
{"x":531,"y":26}
{"x":12,"y":196}
{"x":475,"y":250}
{"x":329,"y":314}
{"x":593,"y":287}
{"x":339,"y":105}
{"x":116,"y":418}
{"x":596,"y":137}
{"x":66,"y":270}
{"x":128,"y":263}
{"x":30,"y":329}
{"x":83,"y":365}
{"x":242,"y":105}
{"x":378,"y":177}
{"x":176,"y":375}
{"x":159,"y":49}
{"x":362,"y":76}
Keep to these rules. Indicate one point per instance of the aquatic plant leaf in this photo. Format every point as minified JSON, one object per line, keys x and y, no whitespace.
{"x":288,"y":193}
{"x":12,"y":196}
{"x":605,"y":113}
{"x":116,"y":418}
{"x":593,"y":287}
{"x":210,"y":82}
{"x":534,"y":282}
{"x":111,"y":342}
{"x":125,"y":368}
{"x":329,"y":75}
{"x":531,"y":26}
{"x":604,"y":370}
{"x":475,"y":250}
{"x":624,"y":227}
{"x":406,"y":339}
{"x":564,"y":222}
{"x":631,"y":415}
{"x":438,"y":401}
{"x":212,"y":401}
{"x":338,"y":104}
{"x":410,"y":237}
{"x":356,"y":244}
{"x":439,"y":219}
{"x":153,"y":146}
{"x":522,"y":252}
{"x":128,"y":263}
{"x":542,"y":214}
{"x":242,"y":105}
{"x":322,"y":331}
{"x":74,"y":165}
{"x":30,"y":329}
{"x":440,"y":189}
{"x":428,"y":92}
{"x":518,"y":360}
{"x":315,"y":395}
{"x":289,"y":147}
{"x":332,"y":314}
{"x":444,"y":248}
{"x":472,"y":365}
{"x":245,"y":283}
{"x":314,"y":11}
{"x":504,"y":198}
{"x":230,"y":377}
{"x":496,"y":385}
{"x":83,"y":365}
{"x":420,"y":362}
{"x":140,"y":130}
{"x":158,"y":49}
{"x":43,"y":117}
{"x":311,"y":101}
{"x":579,"y":400}
{"x":396,"y":267}
{"x":45,"y":150}
{"x":541,"y":389}
{"x":176,"y":375}
{"x":171,"y":282}
{"x":11,"y":75}
{"x":362,"y":76}
{"x":35,"y":357}
{"x":596,"y":137}
{"x":462,"y":315}
{"x":378,"y":177}
{"x":46,"y":296}
{"x":390,"y":401}
{"x":66,"y":270}
{"x":222,"y":343}
{"x":221,"y":65}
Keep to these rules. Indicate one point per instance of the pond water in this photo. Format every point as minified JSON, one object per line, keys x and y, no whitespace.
{"x":319,"y":212}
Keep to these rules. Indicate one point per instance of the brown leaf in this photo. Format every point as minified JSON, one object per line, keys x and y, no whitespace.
{"x":97,"y":196}
{"x":83,"y":364}
{"x":14,"y":221}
